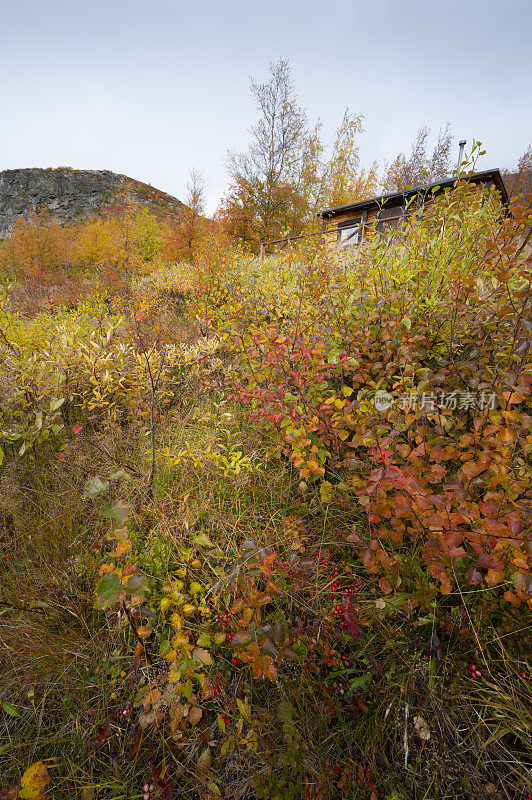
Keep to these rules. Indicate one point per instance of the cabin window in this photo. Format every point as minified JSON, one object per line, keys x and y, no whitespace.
{"x":350,"y":232}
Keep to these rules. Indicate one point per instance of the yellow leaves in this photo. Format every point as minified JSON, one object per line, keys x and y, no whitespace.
{"x":34,"y":782}
{"x":170,"y":656}
{"x":326,"y":492}
{"x":180,"y":640}
{"x":176,"y":621}
{"x":244,"y":710}
{"x":105,"y":569}
{"x":247,"y":616}
{"x":202,"y":656}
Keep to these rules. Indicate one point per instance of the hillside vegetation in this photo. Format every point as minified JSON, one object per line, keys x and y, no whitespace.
{"x":265,"y":525}
{"x":71,"y":194}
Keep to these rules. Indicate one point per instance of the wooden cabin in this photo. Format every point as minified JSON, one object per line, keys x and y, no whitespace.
{"x":349,"y":225}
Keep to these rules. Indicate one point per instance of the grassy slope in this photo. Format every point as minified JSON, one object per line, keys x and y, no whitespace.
{"x":416,"y":725}
{"x":70,"y":677}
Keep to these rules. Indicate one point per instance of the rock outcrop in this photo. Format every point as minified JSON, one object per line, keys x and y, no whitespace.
{"x":69,"y":193}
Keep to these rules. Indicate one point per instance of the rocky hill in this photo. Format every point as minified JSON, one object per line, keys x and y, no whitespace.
{"x":70,"y":193}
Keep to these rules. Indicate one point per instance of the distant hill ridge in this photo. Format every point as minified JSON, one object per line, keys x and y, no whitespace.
{"x":71,"y":193}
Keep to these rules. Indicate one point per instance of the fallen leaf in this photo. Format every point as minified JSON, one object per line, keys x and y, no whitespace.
{"x":194,"y":715}
{"x":421,"y":728}
{"x":34,"y":782}
{"x":204,"y":762}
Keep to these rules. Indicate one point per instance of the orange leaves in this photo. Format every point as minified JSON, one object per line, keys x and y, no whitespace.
{"x":471,"y":469}
{"x":121,"y":548}
{"x":437,"y":473}
{"x":273,"y":589}
{"x":439,"y":572}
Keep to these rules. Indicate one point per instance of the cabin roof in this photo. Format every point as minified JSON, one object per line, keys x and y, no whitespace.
{"x":383,"y":199}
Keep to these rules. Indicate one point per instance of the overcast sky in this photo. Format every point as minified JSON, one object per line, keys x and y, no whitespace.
{"x":153,"y":88}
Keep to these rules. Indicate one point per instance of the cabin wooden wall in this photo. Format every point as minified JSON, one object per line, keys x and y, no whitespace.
{"x":378,"y":218}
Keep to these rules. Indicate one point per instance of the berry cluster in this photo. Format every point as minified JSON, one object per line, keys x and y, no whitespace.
{"x":147,"y":791}
{"x":222,"y":619}
{"x":474,"y":670}
{"x":347,"y":616}
{"x":338,"y":689}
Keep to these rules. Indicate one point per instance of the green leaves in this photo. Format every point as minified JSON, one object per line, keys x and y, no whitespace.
{"x":203,"y":540}
{"x":94,"y":487}
{"x":135,"y":583}
{"x":117,"y":474}
{"x":56,"y":404}
{"x":108,"y":590}
{"x":119,"y":511}
{"x":10,"y":709}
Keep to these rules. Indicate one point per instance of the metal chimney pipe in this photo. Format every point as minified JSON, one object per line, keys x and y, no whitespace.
{"x":462,"y":143}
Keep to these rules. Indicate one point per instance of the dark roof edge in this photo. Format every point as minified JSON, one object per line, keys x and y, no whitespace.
{"x":494,"y":174}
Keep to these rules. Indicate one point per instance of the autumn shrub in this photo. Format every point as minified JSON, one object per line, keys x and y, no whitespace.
{"x":269,"y":660}
{"x":401,"y":382}
{"x":320,"y":591}
{"x":320,"y":597}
